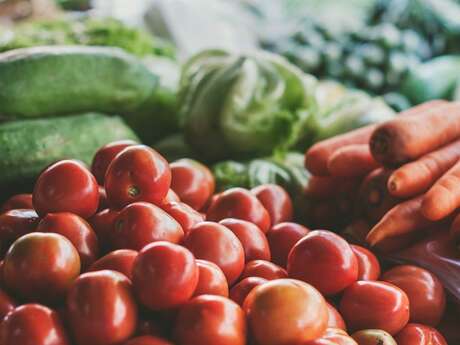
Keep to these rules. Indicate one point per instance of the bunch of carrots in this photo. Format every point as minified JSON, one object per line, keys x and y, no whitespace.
{"x":404,"y":173}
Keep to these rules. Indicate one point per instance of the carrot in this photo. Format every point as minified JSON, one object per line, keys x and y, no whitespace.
{"x":352,"y":160}
{"x":403,"y":139}
{"x":416,"y":177}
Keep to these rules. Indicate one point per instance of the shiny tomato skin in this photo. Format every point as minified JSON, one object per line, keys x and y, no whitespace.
{"x":263,"y":269}
{"x":375,"y":305}
{"x":192,"y":181}
{"x":254,"y":241}
{"x":210,"y":320}
{"x":165,"y":275}
{"x":211,"y":280}
{"x":7,"y":304}
{"x":324,"y":260}
{"x":147,"y":340}
{"x":103,"y":224}
{"x":216,"y":243}
{"x":66,"y":186}
{"x":417,"y":334}
{"x":41,"y":267}
{"x":101,"y":308}
{"x":282,"y":237}
{"x":368,"y":264}
{"x":14,"y":224}
{"x":138,"y":173}
{"x":141,"y":223}
{"x":17,"y":201}
{"x":276,"y":201}
{"x":170,"y":197}
{"x":105,"y":155}
{"x":32,"y":324}
{"x":373,"y":337}
{"x":335,"y":336}
{"x":285,"y":311}
{"x":241,"y":204}
{"x":186,"y":216}
{"x":335,"y":320}
{"x":121,"y":260}
{"x":76,"y":230}
{"x":425,"y":291}
{"x":239,"y":291}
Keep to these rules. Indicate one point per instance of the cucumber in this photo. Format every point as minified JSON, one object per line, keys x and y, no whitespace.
{"x":60,"y":80}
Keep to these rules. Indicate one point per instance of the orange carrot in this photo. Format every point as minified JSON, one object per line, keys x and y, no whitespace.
{"x":416,"y":177}
{"x":352,"y":160}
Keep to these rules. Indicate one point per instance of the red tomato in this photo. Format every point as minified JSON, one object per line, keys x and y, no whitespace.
{"x":141,"y":223}
{"x":417,"y":334}
{"x":254,"y":242}
{"x":16,"y":202}
{"x":373,"y":337}
{"x":105,"y":155}
{"x":170,"y":197}
{"x":276,"y":201}
{"x":324,"y":260}
{"x":192,"y":181}
{"x":41,"y":267}
{"x":101,"y":308}
{"x":425,"y":292}
{"x":121,"y":260}
{"x":241,"y":204}
{"x":368,"y":264}
{"x":263,"y":269}
{"x":186,"y":216}
{"x":147,"y":340}
{"x":335,"y":319}
{"x":210,"y":320}
{"x":14,"y":224}
{"x":216,"y":243}
{"x":7,"y":304}
{"x":32,"y":324}
{"x":376,"y":305}
{"x":282,"y":237}
{"x":165,"y":275}
{"x":138,"y":173}
{"x":334,"y":336}
{"x":211,"y":280}
{"x":285,"y":311}
{"x":76,"y":230}
{"x":103,"y":224}
{"x":240,"y":290}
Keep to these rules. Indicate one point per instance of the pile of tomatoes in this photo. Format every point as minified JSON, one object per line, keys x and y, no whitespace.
{"x":136,"y":251}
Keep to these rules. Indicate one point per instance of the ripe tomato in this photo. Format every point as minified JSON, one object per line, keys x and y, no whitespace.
{"x":16,"y":202}
{"x":103,"y":224}
{"x":32,"y":324}
{"x":147,"y":340}
{"x":121,"y":260}
{"x":333,"y":336}
{"x":216,"y":243}
{"x":276,"y":201}
{"x":210,"y":320}
{"x":77,"y":231}
{"x":7,"y":304}
{"x":373,"y":337}
{"x":141,"y":223}
{"x":165,"y":275}
{"x":254,"y":242}
{"x":376,"y":305}
{"x":417,"y":334}
{"x":186,"y":216}
{"x":14,"y":224}
{"x":105,"y":155}
{"x":101,"y":308}
{"x":138,"y":173}
{"x":282,"y":237}
{"x":425,"y":292}
{"x":211,"y":280}
{"x":170,"y":197}
{"x":324,"y":260}
{"x":192,"y":181}
{"x":241,"y":204}
{"x":335,"y":320}
{"x":285,"y":311}
{"x":41,"y":267}
{"x":368,"y":264}
{"x":240,"y":290}
{"x":263,"y":269}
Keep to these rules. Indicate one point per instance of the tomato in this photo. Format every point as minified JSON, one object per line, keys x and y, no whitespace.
{"x":376,"y":305}
{"x":121,"y":260}
{"x":285,"y":311}
{"x":241,"y":204}
{"x":211,"y":280}
{"x":282,"y":237}
{"x":324,"y":260}
{"x":368,"y":264}
{"x":147,"y":340}
{"x":192,"y":181}
{"x":7,"y":304}
{"x":276,"y":201}
{"x":165,"y":275}
{"x":16,"y":202}
{"x":417,"y":334}
{"x":105,"y":155}
{"x":32,"y":324}
{"x":254,"y":242}
{"x":210,"y":320}
{"x":186,"y":216}
{"x":76,"y":230}
{"x":101,"y":308}
{"x":138,"y":173}
{"x":216,"y":243}
{"x":335,"y":320}
{"x":170,"y":197}
{"x":333,"y":336}
{"x":425,"y":291}
{"x":240,"y":290}
{"x":141,"y":223}
{"x":41,"y":266}
{"x":373,"y":337}
{"x":263,"y":269}
{"x":14,"y":224}
{"x":103,"y":224}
